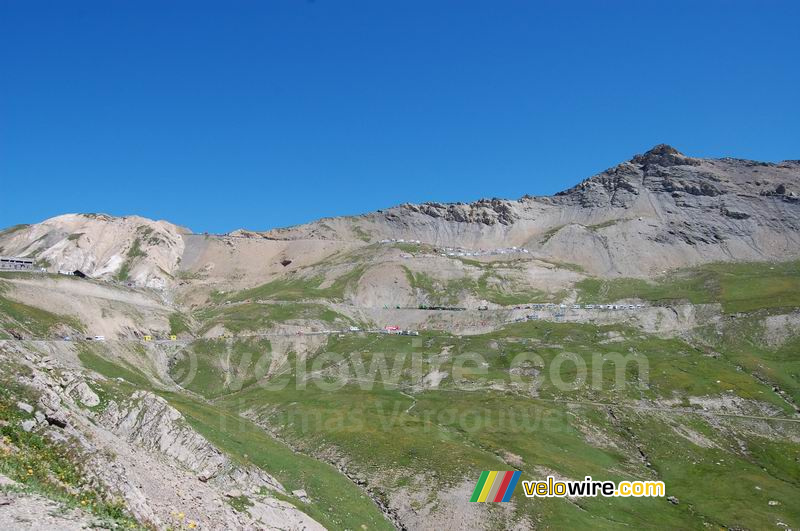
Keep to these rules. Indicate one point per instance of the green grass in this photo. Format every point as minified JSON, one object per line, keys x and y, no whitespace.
{"x":337,"y":502}
{"x":38,"y":323}
{"x":134,"y":252}
{"x":727,"y":488}
{"x":301,"y":288}
{"x":603,"y":225}
{"x":491,"y":286}
{"x":383,"y":439}
{"x":222,"y":366}
{"x":95,"y":358}
{"x":742,"y":341}
{"x":507,"y":297}
{"x":550,"y":233}
{"x":11,"y":230}
{"x":49,"y":469}
{"x":440,"y":438}
{"x":739,"y":287}
{"x":410,"y":248}
{"x":361,"y":234}
{"x":450,"y":434}
{"x":240,"y":503}
{"x":178,"y":324}
{"x":252,"y":316}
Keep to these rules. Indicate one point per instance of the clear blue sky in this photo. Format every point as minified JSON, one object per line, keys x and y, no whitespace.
{"x":219,"y":115}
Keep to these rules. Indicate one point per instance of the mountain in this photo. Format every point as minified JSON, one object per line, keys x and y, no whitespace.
{"x":130,"y":248}
{"x":658,"y":211}
{"x":363,"y":372}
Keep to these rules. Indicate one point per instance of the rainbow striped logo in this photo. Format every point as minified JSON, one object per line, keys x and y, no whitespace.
{"x":494,"y":486}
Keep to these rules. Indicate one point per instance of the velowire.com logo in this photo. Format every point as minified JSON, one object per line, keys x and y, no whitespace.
{"x":495,"y":486}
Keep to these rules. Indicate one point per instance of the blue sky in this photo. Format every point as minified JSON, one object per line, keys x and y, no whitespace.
{"x":257,"y":114}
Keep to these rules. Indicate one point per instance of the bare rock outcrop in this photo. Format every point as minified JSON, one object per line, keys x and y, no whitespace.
{"x":144,"y":452}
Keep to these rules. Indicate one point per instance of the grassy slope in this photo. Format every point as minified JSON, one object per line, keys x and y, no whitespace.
{"x":222,"y":365}
{"x":491,"y":286}
{"x":738,"y":287}
{"x":337,"y":502}
{"x":375,"y":430}
{"x":718,"y":484}
{"x":300,"y":288}
{"x":37,"y":322}
{"x":251,"y":316}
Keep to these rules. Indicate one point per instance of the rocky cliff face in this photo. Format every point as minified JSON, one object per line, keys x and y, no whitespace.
{"x":485,"y":211}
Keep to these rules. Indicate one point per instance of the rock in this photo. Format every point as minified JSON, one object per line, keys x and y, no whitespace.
{"x":735,"y":214}
{"x":774,"y":502}
{"x":6,"y":481}
{"x":27,"y":408}
{"x":664,"y":155}
{"x":673,"y":500}
{"x":84,"y":394}
{"x":40,"y":417}
{"x":28,"y":425}
{"x":148,"y":420}
{"x":57,"y":419}
{"x":234,"y":493}
{"x":301,"y":494}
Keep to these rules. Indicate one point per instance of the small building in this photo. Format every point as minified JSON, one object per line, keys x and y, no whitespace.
{"x":14,"y":263}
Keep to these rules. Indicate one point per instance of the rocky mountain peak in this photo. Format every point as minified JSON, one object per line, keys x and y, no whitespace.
{"x":664,"y":155}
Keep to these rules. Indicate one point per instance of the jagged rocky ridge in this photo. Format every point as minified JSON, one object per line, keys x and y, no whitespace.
{"x":657,"y":211}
